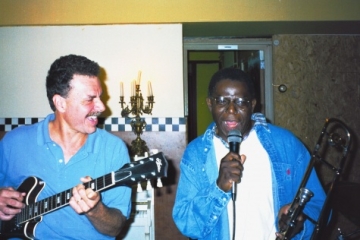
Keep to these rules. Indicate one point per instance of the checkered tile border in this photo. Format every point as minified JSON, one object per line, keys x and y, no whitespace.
{"x":165,"y":124}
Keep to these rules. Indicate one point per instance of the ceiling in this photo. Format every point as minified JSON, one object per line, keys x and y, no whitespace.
{"x":267,"y":29}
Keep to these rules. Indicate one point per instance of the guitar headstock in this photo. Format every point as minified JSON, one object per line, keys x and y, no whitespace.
{"x":154,"y":166}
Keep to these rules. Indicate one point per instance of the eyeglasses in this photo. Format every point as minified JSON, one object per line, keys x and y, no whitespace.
{"x":240,"y":103}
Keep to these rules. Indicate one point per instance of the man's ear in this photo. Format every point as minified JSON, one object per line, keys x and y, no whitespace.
{"x":209,"y":104}
{"x":253,"y":104}
{"x":59,"y":102}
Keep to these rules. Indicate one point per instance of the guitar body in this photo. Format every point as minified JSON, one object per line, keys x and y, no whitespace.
{"x":32,"y":186}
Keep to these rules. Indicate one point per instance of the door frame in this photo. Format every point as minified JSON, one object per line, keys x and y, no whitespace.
{"x":264,"y":44}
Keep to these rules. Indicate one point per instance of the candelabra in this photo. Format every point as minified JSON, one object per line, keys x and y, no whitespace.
{"x":137,"y":108}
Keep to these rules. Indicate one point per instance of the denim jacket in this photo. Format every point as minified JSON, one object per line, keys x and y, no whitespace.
{"x":200,"y":209}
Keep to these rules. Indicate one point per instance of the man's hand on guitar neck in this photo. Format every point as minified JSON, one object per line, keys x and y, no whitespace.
{"x":84,"y":200}
{"x":11,"y":203}
{"x":106,"y":220}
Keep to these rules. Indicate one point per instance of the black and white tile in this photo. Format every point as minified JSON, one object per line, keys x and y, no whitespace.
{"x":161,"y":124}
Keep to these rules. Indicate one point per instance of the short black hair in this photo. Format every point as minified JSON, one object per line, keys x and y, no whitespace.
{"x":233,"y":74}
{"x":62,"y":72}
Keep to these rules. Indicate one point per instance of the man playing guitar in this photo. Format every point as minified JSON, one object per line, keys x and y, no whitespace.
{"x":62,"y":150}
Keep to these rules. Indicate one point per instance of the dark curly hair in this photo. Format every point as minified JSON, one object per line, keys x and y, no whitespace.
{"x":62,"y":71}
{"x":233,"y":74}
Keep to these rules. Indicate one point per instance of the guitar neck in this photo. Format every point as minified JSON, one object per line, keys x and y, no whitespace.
{"x":62,"y":199}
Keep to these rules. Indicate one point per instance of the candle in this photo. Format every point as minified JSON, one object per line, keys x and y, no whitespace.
{"x":149,"y":89}
{"x":121,"y":89}
{"x":139,"y":78}
{"x":132,"y":88}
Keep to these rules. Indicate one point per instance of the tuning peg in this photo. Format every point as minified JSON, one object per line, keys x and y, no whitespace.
{"x":148,"y":185}
{"x":137,"y":158}
{"x":139,"y":188}
{"x":153,"y":151}
{"x":159,"y":183}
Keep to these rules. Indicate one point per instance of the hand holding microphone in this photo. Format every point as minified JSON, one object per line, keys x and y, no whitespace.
{"x":231,"y":165}
{"x":234,"y":140}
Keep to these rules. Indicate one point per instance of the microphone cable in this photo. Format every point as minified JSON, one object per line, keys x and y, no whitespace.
{"x":234,"y":219}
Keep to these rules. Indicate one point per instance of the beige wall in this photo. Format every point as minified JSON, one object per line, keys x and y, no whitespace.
{"x":44,"y":12}
{"x":26,"y":54}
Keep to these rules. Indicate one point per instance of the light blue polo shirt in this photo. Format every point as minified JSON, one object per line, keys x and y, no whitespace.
{"x":29,"y":151}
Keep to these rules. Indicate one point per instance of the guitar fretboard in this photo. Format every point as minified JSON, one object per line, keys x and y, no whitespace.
{"x":62,"y":199}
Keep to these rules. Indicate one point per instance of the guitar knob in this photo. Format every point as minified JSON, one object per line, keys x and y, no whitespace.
{"x":148,"y":185}
{"x":159,"y":183}
{"x":139,"y":188}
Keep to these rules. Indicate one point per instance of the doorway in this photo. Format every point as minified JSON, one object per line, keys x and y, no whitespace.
{"x":203,"y":58}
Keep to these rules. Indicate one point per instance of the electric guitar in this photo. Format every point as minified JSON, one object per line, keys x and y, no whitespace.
{"x":24,"y":223}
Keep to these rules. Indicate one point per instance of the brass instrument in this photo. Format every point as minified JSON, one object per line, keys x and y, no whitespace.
{"x":338,"y":140}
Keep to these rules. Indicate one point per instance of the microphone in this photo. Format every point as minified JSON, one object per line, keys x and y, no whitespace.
{"x":234,"y":140}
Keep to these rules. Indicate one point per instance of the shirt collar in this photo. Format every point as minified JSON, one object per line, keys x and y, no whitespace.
{"x":43,"y":135}
{"x":213,"y":132}
{"x":259,"y":120}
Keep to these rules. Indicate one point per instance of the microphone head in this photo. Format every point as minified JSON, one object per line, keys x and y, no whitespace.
{"x":235,"y":136}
